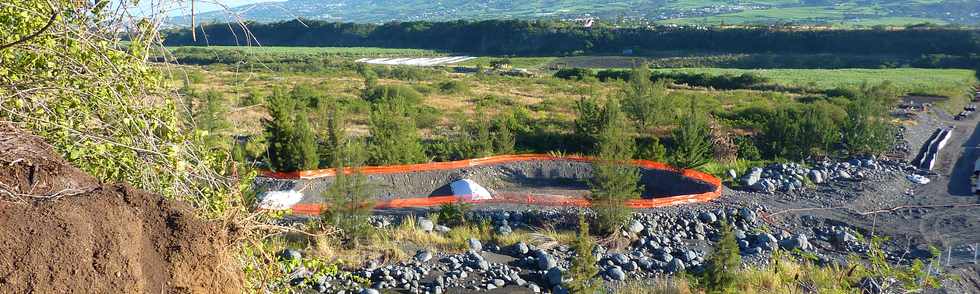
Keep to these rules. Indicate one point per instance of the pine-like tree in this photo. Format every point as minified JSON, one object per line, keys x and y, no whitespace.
{"x":291,"y":143}
{"x":394,"y":138}
{"x":646,"y":102}
{"x":723,"y":262}
{"x":349,"y":196}
{"x":503,"y":138}
{"x":614,"y":178}
{"x":305,"y":142}
{"x":589,"y":121}
{"x":331,"y":125}
{"x":211,"y":117}
{"x":583,"y":271}
{"x":692,"y":140}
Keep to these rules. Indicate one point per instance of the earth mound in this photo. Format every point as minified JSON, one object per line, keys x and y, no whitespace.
{"x":62,"y":231}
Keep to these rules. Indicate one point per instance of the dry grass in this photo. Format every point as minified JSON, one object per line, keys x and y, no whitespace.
{"x":673,"y":285}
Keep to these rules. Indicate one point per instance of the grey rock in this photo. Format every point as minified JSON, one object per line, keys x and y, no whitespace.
{"x":767,"y":241}
{"x":675,"y":266}
{"x":635,"y":227}
{"x":369,"y":291}
{"x":619,"y":258}
{"x":504,"y":230}
{"x":442,"y":229}
{"x":752,"y":177}
{"x":553,"y":276}
{"x":616,"y":274}
{"x":708,"y":217}
{"x":816,"y":177}
{"x":534,"y":288}
{"x":423,"y":255}
{"x":520,"y":248}
{"x":747,"y":214}
{"x":499,"y":282}
{"x":426,"y":225}
{"x":798,"y":242}
{"x":475,"y":244}
{"x":546,"y":261}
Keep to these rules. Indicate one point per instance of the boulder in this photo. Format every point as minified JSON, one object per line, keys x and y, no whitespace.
{"x":635,"y":227}
{"x":616,"y":274}
{"x":423,"y":255}
{"x":475,"y":244}
{"x":797,"y":242}
{"x":426,"y":225}
{"x":708,"y":217}
{"x":752,"y":177}
{"x":546,"y":261}
{"x":675,"y":266}
{"x":553,"y":276}
{"x":442,"y":229}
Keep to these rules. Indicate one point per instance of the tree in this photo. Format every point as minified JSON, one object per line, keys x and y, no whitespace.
{"x":589,"y":121}
{"x":394,"y":139}
{"x":349,"y":196}
{"x":692,"y":140}
{"x":304,"y":141}
{"x":291,"y":143}
{"x":867,"y":130}
{"x":211,"y":118}
{"x":332,"y":124}
{"x":503,"y":138}
{"x":583,"y":270}
{"x":614,"y":178}
{"x":646,"y":102}
{"x":723,"y":262}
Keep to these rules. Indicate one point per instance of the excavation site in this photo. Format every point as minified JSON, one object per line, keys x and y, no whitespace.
{"x":542,"y":180}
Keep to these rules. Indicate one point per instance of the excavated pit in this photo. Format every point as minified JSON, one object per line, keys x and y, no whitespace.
{"x":534,"y":177}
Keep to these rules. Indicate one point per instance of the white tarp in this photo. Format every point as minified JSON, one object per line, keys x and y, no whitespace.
{"x":280,"y":200}
{"x":470,"y":190}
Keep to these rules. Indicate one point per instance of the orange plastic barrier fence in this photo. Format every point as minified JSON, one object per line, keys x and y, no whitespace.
{"x":505,"y":198}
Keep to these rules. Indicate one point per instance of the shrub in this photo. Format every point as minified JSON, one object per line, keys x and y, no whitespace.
{"x":583,"y":270}
{"x":291,"y":142}
{"x":393,"y":94}
{"x":693,"y":147}
{"x":453,"y":214}
{"x":574,"y":73}
{"x":723,"y":263}
{"x":453,"y":87}
{"x":394,"y":138}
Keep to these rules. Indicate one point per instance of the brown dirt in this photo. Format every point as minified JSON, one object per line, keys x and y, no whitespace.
{"x":61,"y":231}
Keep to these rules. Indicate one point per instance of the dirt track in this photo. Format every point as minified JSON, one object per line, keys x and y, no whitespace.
{"x":64,"y":232}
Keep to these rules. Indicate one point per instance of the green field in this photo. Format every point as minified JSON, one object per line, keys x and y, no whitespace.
{"x":943,"y":82}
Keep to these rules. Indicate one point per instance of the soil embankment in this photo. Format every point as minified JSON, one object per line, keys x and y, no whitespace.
{"x":62,"y":231}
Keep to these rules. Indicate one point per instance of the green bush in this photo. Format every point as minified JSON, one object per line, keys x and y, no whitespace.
{"x":724,"y":262}
{"x":614,"y":179}
{"x":393,"y":94}
{"x":454,"y":87}
{"x":692,"y":140}
{"x":583,"y":271}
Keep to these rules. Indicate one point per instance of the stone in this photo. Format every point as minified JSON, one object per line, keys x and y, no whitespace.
{"x":369,"y":291}
{"x":442,"y":229}
{"x":752,"y":177}
{"x":815,"y":176}
{"x":426,"y":225}
{"x":663,"y":256}
{"x":798,"y":242}
{"x":747,"y":214}
{"x":423,"y":255}
{"x":732,"y":174}
{"x":767,"y":241}
{"x":675,"y":266}
{"x":499,"y":282}
{"x":635,"y":227}
{"x":534,"y":288}
{"x":475,"y":244}
{"x":615,"y":273}
{"x":708,"y":217}
{"x":553,"y":276}
{"x":619,"y":258}
{"x":520,"y":248}
{"x":546,"y":261}
{"x":504,"y":230}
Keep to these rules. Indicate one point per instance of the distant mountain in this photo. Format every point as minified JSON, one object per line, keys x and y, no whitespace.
{"x":834,"y":12}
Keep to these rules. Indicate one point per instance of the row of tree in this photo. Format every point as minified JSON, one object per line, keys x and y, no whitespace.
{"x":523,"y":37}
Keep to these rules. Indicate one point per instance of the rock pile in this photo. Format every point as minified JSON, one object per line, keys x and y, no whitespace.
{"x":788,"y":177}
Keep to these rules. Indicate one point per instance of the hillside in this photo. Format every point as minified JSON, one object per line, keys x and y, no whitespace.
{"x":831,"y":12}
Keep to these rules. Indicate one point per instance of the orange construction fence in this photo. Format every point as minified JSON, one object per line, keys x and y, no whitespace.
{"x":505,"y":198}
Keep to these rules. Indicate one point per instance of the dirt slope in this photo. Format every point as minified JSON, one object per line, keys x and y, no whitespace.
{"x":94,"y":238}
